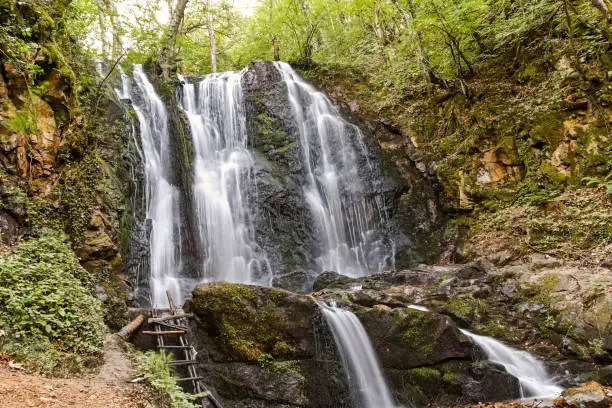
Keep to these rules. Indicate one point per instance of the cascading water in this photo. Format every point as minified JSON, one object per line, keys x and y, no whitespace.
{"x":162,"y":198}
{"x":358,"y":358}
{"x":334,"y":189}
{"x":530,"y":372}
{"x":223,"y":180}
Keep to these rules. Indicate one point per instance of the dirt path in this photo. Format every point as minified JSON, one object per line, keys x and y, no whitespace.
{"x":109,"y":388}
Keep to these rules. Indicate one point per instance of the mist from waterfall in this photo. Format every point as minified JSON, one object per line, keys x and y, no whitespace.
{"x":346,"y":220}
{"x":162,"y":198}
{"x":366,"y":380}
{"x":223,"y":180}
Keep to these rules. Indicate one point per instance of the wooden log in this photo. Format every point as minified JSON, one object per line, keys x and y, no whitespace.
{"x":129,"y":329}
{"x":163,"y":333}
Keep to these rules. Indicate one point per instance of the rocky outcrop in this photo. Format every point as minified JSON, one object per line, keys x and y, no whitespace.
{"x":266,"y":347}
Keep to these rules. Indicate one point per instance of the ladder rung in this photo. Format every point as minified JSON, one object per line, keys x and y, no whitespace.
{"x":171,"y":317}
{"x":163,"y":333}
{"x":190,"y":379}
{"x":172,"y":326}
{"x":175,"y":347}
{"x":182,"y":362}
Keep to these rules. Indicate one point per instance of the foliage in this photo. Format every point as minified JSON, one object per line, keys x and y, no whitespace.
{"x":46,"y":304}
{"x":398,"y":40}
{"x":153,"y":366}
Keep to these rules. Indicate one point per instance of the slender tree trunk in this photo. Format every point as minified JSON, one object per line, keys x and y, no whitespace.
{"x":211,"y":37}
{"x":276,"y":48}
{"x":428,"y":71}
{"x":102,"y":22}
{"x":377,"y":28}
{"x":168,"y":50}
{"x":112,"y":12}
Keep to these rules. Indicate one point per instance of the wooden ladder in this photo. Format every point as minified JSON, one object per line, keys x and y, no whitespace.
{"x":175,"y":325}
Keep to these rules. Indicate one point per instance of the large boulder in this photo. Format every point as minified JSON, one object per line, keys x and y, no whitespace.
{"x":265,"y":347}
{"x":248,"y":322}
{"x":407,"y":338}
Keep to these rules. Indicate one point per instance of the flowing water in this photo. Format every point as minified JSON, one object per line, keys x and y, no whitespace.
{"x":162,"y":198}
{"x":359,"y":360}
{"x":331,"y":147}
{"x":223,"y":180}
{"x":531,"y":373}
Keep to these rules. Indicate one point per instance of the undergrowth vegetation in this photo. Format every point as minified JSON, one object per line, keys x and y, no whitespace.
{"x":154,"y":368}
{"x":49,"y":317}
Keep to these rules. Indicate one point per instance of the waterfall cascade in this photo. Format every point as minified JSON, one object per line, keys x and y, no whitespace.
{"x":358,"y":358}
{"x":162,"y":198}
{"x":223,"y":180}
{"x":530,"y":372}
{"x":334,"y":188}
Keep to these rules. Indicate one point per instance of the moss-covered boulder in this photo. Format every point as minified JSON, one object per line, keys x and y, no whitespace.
{"x":260,"y":346}
{"x":248,"y":322}
{"x":406,"y":338}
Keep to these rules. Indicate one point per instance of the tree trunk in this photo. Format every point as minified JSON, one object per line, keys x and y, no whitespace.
{"x":167,"y":52}
{"x":102,"y":22}
{"x":428,"y":71}
{"x":276,"y":48}
{"x":117,"y":48}
{"x":211,"y":37}
{"x":377,"y":28}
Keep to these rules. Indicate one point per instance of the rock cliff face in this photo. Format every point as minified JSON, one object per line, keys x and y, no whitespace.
{"x":286,"y":227}
{"x":61,"y":148}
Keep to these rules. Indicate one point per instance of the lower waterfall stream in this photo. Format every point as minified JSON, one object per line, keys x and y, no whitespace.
{"x":531,"y":373}
{"x":359,"y":360}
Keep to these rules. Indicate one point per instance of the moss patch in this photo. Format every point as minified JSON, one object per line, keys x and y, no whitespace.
{"x":249,"y":325}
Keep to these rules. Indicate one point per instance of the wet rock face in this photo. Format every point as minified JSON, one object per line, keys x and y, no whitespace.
{"x":284,"y":225}
{"x":285,"y":228}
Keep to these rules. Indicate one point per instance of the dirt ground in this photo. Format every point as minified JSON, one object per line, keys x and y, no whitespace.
{"x":109,"y":388}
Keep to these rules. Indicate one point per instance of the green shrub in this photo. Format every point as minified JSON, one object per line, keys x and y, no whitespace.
{"x":156,"y":372}
{"x":49,"y":316}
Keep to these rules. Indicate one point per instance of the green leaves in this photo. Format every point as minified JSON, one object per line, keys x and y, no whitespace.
{"x":156,"y":372}
{"x":45,"y":298}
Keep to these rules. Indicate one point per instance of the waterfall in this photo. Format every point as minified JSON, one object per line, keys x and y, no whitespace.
{"x":530,"y":372}
{"x":334,"y":189}
{"x":162,"y":198}
{"x":223,"y":180}
{"x":358,"y":358}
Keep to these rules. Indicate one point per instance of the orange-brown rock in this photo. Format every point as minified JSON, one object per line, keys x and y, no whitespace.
{"x":587,"y":395}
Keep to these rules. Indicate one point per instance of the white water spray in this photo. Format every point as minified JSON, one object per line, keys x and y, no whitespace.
{"x":358,"y":358}
{"x":222,"y":180}
{"x":344,"y":217}
{"x":531,"y":373}
{"x":161,"y":196}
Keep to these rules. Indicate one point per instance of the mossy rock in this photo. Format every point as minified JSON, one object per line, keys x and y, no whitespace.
{"x":249,"y":322}
{"x":407,"y":338}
